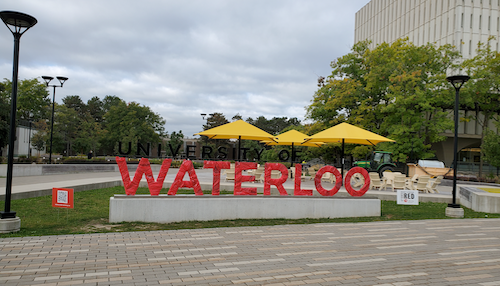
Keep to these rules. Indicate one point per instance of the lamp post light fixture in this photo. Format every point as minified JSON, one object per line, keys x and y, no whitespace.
{"x":457,"y":81}
{"x":47,"y":80}
{"x":203,"y":115}
{"x":18,"y":24}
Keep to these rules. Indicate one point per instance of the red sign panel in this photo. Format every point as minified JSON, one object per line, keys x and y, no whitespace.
{"x":62,"y":198}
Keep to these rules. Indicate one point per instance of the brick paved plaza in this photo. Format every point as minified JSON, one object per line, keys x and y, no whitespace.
{"x":427,"y":252}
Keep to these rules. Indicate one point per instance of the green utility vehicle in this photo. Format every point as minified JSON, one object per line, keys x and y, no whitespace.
{"x":380,"y":161}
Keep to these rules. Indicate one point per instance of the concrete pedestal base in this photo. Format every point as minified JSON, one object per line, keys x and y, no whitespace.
{"x":9,"y":225}
{"x":455,"y":212}
{"x":165,"y":209}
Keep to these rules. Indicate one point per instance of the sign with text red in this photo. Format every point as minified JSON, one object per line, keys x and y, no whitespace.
{"x":62,"y":198}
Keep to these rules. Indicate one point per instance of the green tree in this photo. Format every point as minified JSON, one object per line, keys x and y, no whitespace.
{"x":480,"y":95}
{"x":95,"y":108}
{"x":109,"y":101}
{"x":214,"y":120}
{"x":76,"y":126}
{"x":33,"y":102}
{"x":4,"y":116}
{"x":394,"y":90}
{"x":237,"y":117}
{"x":88,"y":136}
{"x":131,"y":123}
{"x":275,"y":125}
{"x":40,"y":137}
{"x":175,"y":141}
{"x":491,"y":148}
{"x":76,"y":103}
{"x":67,"y":124}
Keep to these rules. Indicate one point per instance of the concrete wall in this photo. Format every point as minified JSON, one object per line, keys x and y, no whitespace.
{"x":479,"y":200}
{"x":166,"y":209}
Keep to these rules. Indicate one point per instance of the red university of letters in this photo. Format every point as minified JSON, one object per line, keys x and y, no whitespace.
{"x":155,"y":186}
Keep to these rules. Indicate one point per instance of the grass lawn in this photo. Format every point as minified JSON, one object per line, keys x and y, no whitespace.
{"x":91,"y":213}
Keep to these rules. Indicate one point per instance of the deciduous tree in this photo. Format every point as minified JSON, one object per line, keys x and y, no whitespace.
{"x":33,"y":100}
{"x":491,"y":148}
{"x":131,"y":122}
{"x":393,"y":90}
{"x":4,"y":116}
{"x":481,"y":94}
{"x":40,"y":136}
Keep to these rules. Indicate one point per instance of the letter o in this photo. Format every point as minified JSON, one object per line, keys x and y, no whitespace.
{"x":347,"y":182}
{"x":280,"y":155}
{"x":338,"y":181}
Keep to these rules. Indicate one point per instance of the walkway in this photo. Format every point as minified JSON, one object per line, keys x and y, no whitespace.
{"x":429,"y":252}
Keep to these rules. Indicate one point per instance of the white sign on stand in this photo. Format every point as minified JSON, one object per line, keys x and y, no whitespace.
{"x":407,"y":197}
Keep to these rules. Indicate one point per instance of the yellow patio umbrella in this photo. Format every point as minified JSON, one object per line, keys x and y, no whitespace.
{"x":240,"y":130}
{"x":347,"y":133}
{"x":293,"y":138}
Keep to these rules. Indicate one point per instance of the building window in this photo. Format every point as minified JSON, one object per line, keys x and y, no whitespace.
{"x":480,"y":20}
{"x":460,"y":44}
{"x":471,"y":18}
{"x":462,"y":21}
{"x":489,"y":22}
{"x":470,"y":47}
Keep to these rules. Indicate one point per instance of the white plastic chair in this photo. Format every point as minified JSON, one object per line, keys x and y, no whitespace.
{"x":376,"y":181}
{"x":432,"y":185}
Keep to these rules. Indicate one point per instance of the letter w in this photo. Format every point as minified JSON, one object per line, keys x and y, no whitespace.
{"x":143,"y":168}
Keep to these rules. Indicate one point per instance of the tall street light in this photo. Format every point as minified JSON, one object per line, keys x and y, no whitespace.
{"x":18,"y":24}
{"x":454,"y":209}
{"x":47,"y":80}
{"x":203,"y":115}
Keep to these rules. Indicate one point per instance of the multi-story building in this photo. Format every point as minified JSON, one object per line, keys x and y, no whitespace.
{"x":462,"y":23}
{"x":22,"y":145}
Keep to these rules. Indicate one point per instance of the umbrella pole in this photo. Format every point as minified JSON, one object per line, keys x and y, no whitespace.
{"x":292,"y":157}
{"x":342,"y":160}
{"x":239,"y":148}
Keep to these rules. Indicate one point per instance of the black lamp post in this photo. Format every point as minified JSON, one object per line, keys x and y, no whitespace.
{"x":18,"y":24}
{"x":47,"y":80}
{"x":457,"y":81}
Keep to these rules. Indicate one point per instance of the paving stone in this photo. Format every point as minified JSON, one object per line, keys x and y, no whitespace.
{"x":276,"y":255}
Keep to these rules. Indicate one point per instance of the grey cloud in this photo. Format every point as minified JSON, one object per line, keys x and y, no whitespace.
{"x":183,"y":58}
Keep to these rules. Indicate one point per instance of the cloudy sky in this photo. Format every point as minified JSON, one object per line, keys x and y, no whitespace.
{"x":185,"y":57}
